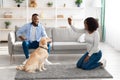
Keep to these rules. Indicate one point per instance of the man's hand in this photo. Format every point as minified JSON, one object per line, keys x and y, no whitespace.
{"x":69,"y":21}
{"x":22,"y":38}
{"x":87,"y":58}
{"x":49,"y":40}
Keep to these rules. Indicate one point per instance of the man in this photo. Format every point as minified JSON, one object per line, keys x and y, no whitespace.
{"x":32,"y":32}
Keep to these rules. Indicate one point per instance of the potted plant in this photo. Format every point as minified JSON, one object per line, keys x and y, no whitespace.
{"x":78,"y":2}
{"x":7,"y":23}
{"x":50,"y":4}
{"x":19,"y":2}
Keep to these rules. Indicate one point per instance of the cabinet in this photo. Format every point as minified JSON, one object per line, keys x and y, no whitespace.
{"x":54,"y":16}
{"x":4,"y":34}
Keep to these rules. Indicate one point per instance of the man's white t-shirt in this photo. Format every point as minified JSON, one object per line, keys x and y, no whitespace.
{"x":33,"y":33}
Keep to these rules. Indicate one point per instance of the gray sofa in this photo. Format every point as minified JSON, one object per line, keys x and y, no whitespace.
{"x":64,"y":40}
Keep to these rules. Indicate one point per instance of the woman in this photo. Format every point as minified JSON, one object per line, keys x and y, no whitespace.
{"x":90,"y":59}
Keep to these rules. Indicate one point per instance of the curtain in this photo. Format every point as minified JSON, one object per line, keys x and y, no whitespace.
{"x":103,"y":19}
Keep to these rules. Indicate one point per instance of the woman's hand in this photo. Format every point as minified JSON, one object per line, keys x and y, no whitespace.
{"x":69,"y":21}
{"x":87,"y":58}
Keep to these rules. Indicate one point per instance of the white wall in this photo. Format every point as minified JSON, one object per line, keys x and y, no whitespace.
{"x":112,"y":23}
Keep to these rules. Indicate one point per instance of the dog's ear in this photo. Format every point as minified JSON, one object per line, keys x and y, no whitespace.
{"x":44,"y":42}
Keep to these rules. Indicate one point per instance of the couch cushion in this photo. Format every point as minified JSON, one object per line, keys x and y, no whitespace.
{"x":68,"y":45}
{"x":65,"y":35}
{"x":49,"y":31}
{"x":18,"y":46}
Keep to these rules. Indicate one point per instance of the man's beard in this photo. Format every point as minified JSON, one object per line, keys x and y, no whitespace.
{"x":34,"y":24}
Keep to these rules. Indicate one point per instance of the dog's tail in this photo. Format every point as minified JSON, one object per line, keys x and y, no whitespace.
{"x":20,"y":67}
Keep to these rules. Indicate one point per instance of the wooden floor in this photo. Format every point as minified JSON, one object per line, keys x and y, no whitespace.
{"x":8,"y":71}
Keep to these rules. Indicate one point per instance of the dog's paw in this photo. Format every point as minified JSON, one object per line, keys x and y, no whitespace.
{"x":31,"y":71}
{"x":44,"y":69}
{"x":40,"y":70}
{"x":20,"y":67}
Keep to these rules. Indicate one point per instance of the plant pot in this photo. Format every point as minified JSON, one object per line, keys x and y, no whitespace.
{"x":78,"y":5}
{"x":6,"y":27}
{"x":50,"y":5}
{"x":18,"y":5}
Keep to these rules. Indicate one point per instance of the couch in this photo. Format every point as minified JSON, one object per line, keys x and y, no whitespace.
{"x":64,"y":40}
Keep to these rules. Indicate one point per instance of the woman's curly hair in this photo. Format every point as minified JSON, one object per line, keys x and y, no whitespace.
{"x":92,"y":24}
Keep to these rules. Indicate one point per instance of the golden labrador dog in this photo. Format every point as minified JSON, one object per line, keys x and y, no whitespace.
{"x":37,"y":58}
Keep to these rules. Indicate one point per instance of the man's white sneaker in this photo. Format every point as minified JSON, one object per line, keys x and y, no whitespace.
{"x":24,"y":62}
{"x":103,"y":61}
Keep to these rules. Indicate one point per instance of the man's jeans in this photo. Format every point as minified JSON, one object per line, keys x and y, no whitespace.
{"x":31,"y":45}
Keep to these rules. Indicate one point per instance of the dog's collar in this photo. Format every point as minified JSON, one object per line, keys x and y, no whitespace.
{"x":43,"y":47}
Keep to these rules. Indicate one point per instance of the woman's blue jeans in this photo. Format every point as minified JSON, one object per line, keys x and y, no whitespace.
{"x":92,"y":63}
{"x":31,"y":45}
